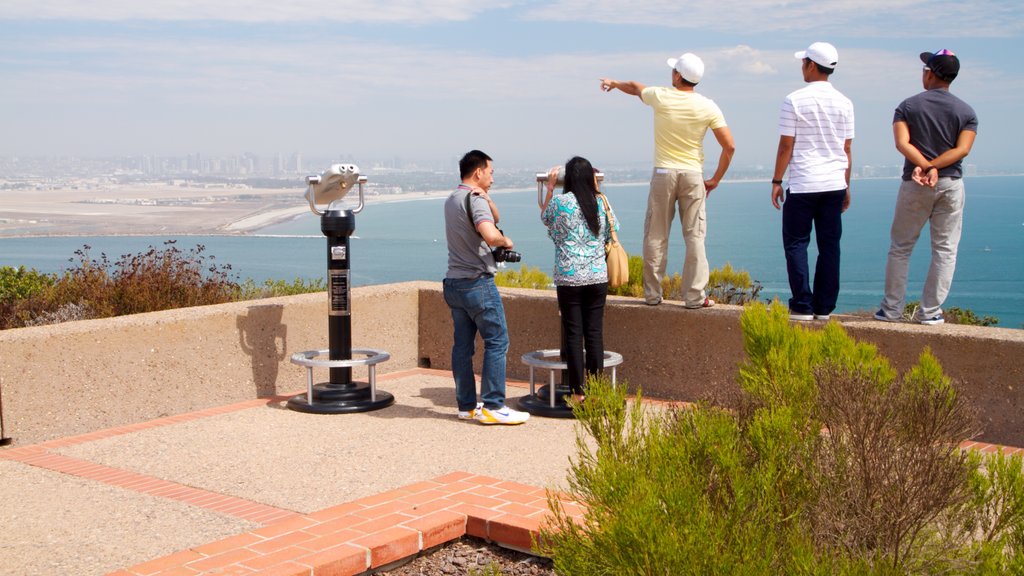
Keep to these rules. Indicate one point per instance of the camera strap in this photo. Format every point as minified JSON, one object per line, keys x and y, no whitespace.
{"x":469,"y":207}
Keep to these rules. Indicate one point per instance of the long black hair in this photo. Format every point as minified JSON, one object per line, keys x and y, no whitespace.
{"x":579,"y":179}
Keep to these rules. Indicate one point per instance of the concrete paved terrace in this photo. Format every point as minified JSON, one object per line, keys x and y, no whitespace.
{"x":159,"y":443}
{"x":252,"y":487}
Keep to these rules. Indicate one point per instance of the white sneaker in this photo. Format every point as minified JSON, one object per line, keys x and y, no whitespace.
{"x":825,"y":317}
{"x":471,"y":414}
{"x":505,"y":415}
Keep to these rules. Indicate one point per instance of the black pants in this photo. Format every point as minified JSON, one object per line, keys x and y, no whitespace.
{"x":823,"y":210}
{"x":582,"y":310}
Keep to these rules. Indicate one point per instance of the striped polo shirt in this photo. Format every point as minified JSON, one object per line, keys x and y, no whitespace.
{"x":820,"y":119}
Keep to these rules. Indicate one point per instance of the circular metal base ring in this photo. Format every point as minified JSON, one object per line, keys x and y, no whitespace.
{"x":301,"y":403}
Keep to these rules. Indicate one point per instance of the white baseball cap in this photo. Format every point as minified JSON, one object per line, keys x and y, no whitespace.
{"x":820,"y":53}
{"x":689,"y":66}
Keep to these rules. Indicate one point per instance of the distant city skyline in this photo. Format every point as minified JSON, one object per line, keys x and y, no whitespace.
{"x":425,"y":81}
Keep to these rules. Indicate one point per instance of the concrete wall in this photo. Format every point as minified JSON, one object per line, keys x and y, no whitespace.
{"x":78,"y":377}
{"x":83,"y":376}
{"x":680,"y":354}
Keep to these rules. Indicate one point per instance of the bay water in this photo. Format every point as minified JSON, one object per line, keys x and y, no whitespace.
{"x":402,"y":241}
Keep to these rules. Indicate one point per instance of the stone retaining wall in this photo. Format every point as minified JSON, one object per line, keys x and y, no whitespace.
{"x":78,"y":377}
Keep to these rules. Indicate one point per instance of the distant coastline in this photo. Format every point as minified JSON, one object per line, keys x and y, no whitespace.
{"x":152,"y":210}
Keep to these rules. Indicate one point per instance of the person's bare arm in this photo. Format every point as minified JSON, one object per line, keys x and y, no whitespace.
{"x":964,"y":142}
{"x":848,"y":148}
{"x":492,"y":236}
{"x":630,"y":87}
{"x":782,"y":158}
{"x":724,"y":137}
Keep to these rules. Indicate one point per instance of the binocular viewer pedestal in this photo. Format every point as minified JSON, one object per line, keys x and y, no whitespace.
{"x":330,"y":398}
{"x":340,"y":395}
{"x":549,"y":401}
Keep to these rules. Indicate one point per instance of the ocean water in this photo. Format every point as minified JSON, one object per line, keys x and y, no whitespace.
{"x":405,"y":241}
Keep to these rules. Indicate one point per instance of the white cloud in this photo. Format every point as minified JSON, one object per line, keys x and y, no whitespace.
{"x":872,"y":18}
{"x":748,"y":60}
{"x":410,"y":11}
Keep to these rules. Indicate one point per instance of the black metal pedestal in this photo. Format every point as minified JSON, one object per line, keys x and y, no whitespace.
{"x":339,"y":395}
{"x":539,"y":404}
{"x":340,"y":399}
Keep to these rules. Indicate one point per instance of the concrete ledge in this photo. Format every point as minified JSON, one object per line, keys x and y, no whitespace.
{"x":77,"y":377}
{"x":688,"y":355}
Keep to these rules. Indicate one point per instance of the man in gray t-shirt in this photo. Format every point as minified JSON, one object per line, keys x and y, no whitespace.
{"x":934,"y":131}
{"x":470,"y":218}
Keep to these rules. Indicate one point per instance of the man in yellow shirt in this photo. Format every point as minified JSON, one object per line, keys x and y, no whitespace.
{"x":681,"y":119}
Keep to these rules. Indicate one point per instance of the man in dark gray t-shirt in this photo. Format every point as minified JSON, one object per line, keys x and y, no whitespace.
{"x":469,"y":290}
{"x":934,"y":131}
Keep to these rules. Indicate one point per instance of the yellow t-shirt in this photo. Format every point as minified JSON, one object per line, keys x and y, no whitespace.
{"x":681,"y":119}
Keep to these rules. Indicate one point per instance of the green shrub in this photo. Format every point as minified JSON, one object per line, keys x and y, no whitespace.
{"x":19,"y":283}
{"x":145,"y":282}
{"x":250,"y":290}
{"x":831,"y":464}
{"x":18,"y":286}
{"x":730,"y":286}
{"x":725,"y":285}
{"x":635,"y":287}
{"x":525,"y":277}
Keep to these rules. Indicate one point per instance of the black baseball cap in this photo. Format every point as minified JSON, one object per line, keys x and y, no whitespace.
{"x":943,"y":63}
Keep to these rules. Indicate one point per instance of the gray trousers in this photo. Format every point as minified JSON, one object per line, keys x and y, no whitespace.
{"x":942,"y":208}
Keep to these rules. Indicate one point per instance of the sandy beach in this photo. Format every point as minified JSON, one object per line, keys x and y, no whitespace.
{"x":110,"y":210}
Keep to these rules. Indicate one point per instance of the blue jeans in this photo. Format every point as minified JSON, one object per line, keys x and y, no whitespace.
{"x":476,"y":306}
{"x":823,"y":210}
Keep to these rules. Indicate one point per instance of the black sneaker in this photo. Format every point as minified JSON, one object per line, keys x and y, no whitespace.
{"x":880,"y":315}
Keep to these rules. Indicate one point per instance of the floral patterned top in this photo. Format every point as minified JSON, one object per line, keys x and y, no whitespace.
{"x":579,"y":255}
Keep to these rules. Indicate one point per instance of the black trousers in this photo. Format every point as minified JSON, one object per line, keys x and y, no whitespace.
{"x":823,"y":210}
{"x":582,"y":311}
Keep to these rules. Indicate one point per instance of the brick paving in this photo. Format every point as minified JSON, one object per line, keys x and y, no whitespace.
{"x":345,"y":539}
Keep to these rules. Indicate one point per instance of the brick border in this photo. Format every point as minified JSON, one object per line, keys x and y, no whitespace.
{"x":371,"y":532}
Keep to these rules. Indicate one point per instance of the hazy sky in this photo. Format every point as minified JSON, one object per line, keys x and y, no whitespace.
{"x":430,"y":79}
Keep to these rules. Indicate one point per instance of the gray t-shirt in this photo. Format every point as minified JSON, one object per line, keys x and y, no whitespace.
{"x":468,"y":255}
{"x":935,"y":119}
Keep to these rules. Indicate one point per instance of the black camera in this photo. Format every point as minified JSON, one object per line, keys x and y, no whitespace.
{"x":502,"y":254}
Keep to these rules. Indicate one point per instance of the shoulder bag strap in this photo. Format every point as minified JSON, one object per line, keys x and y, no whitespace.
{"x":609,"y":218}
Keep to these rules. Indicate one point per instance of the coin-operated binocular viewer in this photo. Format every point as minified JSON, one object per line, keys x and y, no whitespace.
{"x":337,"y":222}
{"x":549,"y":400}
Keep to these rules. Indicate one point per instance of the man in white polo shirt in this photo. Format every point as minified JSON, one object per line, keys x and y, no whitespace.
{"x":816,"y":133}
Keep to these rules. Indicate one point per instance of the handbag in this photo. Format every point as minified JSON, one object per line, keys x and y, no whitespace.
{"x":614,"y":254}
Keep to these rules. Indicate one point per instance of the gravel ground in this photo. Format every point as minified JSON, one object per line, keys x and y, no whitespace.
{"x":472,"y":556}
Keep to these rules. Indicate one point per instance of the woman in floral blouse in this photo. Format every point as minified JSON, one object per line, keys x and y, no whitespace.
{"x":578,"y":226}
